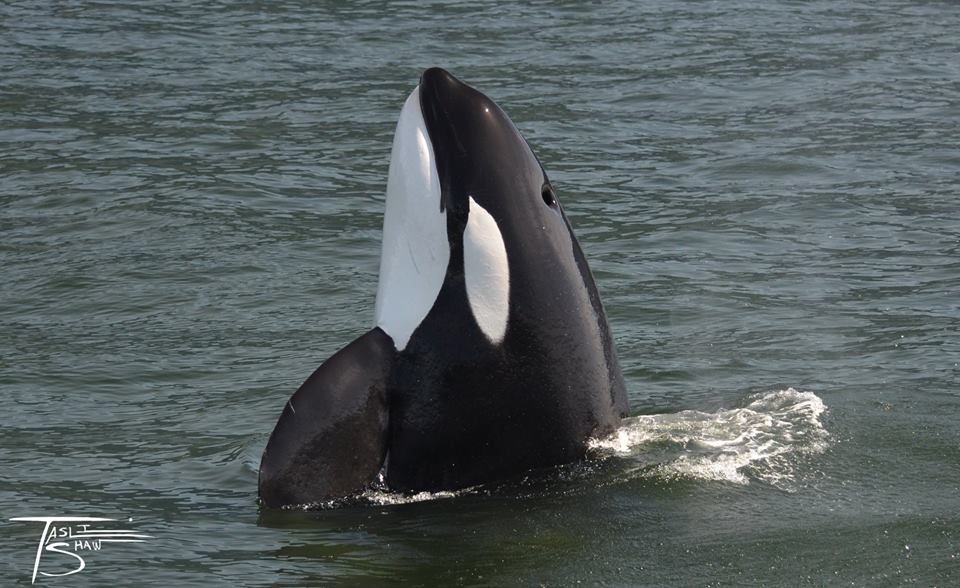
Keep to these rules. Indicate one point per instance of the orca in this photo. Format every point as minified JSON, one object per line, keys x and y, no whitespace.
{"x":491,"y":354}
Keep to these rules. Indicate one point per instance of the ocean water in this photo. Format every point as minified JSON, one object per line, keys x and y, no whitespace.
{"x":768,"y":193}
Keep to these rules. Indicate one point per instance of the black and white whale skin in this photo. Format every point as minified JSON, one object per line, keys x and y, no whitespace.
{"x":491,"y":353}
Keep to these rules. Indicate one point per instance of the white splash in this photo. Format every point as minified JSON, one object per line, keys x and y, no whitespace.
{"x":486,"y":272}
{"x":386,"y":498}
{"x":726,"y":445}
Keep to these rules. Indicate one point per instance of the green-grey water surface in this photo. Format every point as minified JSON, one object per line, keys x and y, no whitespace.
{"x":191,"y":199}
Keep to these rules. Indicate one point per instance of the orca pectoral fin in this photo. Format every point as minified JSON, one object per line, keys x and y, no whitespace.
{"x":331,"y":438}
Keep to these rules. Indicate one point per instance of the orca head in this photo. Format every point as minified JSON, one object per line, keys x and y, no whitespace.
{"x":480,"y":154}
{"x":466,"y":196}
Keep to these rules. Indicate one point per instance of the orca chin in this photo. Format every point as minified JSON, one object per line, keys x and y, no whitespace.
{"x":491,"y":354}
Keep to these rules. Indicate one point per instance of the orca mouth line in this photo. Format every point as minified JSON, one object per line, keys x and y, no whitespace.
{"x":438,"y":89}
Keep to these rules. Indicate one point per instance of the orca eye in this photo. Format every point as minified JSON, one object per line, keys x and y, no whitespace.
{"x":548,"y":195}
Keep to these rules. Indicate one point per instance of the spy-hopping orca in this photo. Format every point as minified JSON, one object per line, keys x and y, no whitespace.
{"x":491,"y":353}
